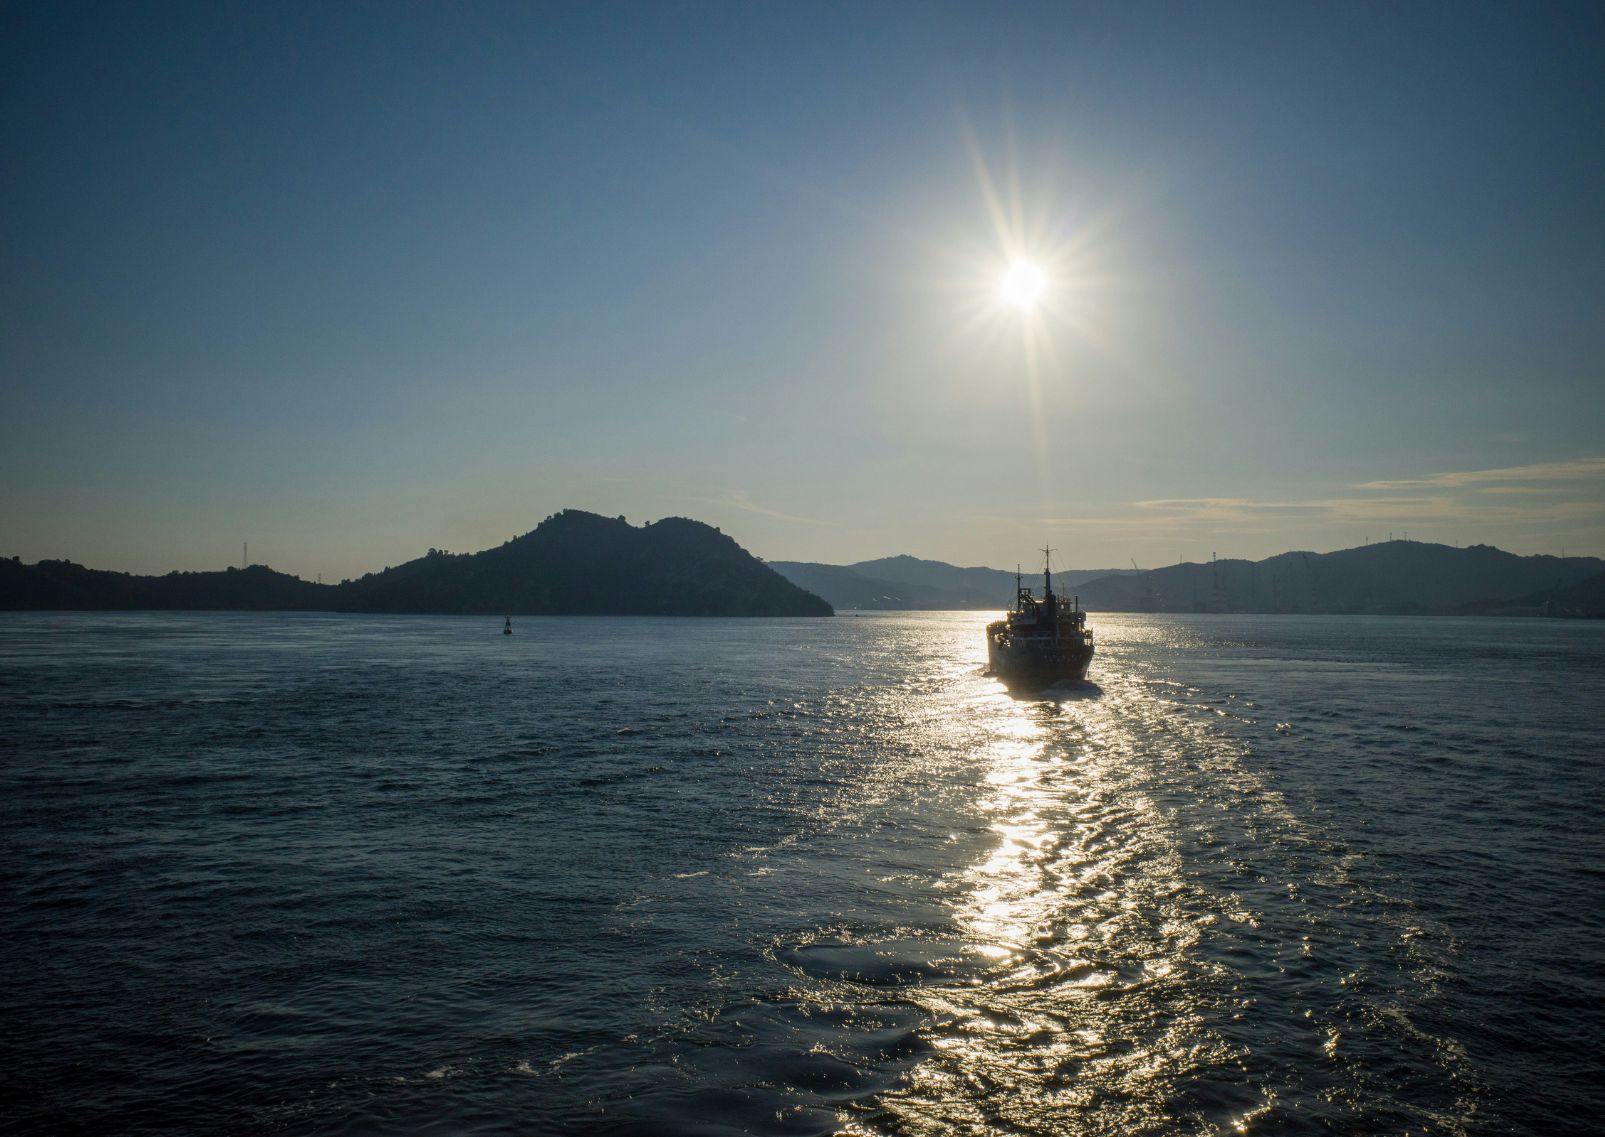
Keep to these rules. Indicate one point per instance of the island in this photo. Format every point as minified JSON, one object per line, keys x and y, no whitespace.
{"x":573,"y":563}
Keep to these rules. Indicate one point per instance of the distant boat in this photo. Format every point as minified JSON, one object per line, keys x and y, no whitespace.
{"x":1043,"y":640}
{"x":507,"y":628}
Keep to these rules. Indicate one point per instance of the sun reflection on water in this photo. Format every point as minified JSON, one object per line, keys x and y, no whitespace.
{"x":1087,"y":1020}
{"x":1106,"y":919}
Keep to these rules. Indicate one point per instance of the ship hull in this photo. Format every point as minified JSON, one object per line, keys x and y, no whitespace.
{"x":1022,"y":662}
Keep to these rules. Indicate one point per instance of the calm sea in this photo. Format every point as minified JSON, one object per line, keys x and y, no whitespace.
{"x":340,"y":874}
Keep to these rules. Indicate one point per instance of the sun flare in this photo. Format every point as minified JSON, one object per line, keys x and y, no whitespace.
{"x":1022,"y":286}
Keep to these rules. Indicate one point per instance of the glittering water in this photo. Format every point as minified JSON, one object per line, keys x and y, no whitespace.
{"x":328,"y":874}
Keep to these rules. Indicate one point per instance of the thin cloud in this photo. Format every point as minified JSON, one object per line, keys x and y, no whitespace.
{"x":1553,"y":499}
{"x":1229,"y":508}
{"x":1578,"y":469}
{"x":739,"y":499}
{"x":1237,"y":514}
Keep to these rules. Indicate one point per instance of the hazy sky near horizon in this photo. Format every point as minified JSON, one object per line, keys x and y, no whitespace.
{"x":351,"y":281}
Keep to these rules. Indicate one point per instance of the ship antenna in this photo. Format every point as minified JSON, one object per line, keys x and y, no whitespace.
{"x":1047,"y":572}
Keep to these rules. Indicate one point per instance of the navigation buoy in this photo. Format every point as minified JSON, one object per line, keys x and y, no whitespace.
{"x":507,"y":628}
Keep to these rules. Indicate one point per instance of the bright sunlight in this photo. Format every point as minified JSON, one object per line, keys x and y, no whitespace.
{"x":1022,"y":286}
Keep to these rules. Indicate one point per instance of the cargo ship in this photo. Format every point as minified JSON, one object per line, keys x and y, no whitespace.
{"x":1043,"y":640}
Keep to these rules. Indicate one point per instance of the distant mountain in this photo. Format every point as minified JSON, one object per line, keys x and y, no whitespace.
{"x":904,"y":582}
{"x":844,"y":588}
{"x":1399,"y":577}
{"x":1585,"y":599}
{"x":576,"y":562}
{"x":1390,"y":577}
{"x":572,"y":563}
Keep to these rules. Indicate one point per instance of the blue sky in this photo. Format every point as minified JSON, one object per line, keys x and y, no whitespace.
{"x":348,"y":282}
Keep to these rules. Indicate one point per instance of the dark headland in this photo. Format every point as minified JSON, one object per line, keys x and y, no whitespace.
{"x":573,"y":563}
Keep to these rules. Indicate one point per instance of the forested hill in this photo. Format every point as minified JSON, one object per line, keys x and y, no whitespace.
{"x":581,"y":563}
{"x":1397,"y":577}
{"x":576,"y":562}
{"x":904,"y":582}
{"x":63,"y":584}
{"x":572,"y":563}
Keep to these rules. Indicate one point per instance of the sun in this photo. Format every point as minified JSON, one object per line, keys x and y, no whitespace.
{"x":1022,"y":286}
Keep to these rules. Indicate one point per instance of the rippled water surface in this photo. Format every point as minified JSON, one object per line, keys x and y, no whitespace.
{"x":330,"y":874}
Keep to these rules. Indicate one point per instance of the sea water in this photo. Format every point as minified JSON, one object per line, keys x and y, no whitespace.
{"x":300,"y":874}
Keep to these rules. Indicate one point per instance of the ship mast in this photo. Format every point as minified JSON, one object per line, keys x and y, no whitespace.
{"x":1047,"y":575}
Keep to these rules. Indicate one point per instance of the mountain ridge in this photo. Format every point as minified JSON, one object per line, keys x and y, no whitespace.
{"x":1391,"y":577}
{"x":573,"y":563}
{"x":582,"y":563}
{"x":910,"y":583}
